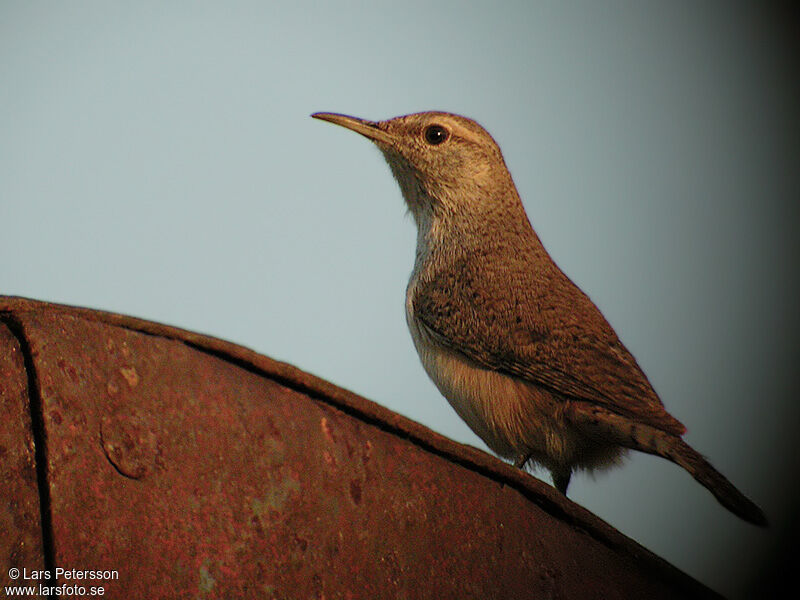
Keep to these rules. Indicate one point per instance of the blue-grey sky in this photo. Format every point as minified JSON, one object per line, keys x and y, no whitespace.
{"x":158,"y":159}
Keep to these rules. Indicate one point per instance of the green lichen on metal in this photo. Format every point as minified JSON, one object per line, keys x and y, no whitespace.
{"x":275,"y":498}
{"x":207,"y":581}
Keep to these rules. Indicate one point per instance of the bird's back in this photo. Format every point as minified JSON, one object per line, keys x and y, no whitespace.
{"x":517,"y":313}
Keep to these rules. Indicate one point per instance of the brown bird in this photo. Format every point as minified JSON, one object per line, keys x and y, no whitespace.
{"x":519,"y":351}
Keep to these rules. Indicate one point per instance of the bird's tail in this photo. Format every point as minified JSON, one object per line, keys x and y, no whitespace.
{"x":731,"y":498}
{"x":652,"y":440}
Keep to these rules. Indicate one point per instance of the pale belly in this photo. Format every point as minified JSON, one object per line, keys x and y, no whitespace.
{"x":496,"y":407}
{"x":513,"y":417}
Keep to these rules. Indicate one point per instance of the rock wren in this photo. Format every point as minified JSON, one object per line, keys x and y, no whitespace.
{"x":519,"y":351}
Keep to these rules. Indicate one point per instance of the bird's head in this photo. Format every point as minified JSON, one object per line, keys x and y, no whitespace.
{"x":446,"y":165}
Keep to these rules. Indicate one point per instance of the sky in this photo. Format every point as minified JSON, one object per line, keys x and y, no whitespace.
{"x":158,"y":160}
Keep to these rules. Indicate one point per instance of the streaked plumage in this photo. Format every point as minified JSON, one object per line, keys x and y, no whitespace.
{"x":519,"y":351}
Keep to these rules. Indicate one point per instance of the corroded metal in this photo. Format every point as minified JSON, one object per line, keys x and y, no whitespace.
{"x":20,"y":529}
{"x":197,"y":468}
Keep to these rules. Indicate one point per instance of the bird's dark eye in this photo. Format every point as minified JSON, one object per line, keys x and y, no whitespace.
{"x":436,"y":134}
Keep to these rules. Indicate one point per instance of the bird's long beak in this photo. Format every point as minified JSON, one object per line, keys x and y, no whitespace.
{"x":366,"y":128}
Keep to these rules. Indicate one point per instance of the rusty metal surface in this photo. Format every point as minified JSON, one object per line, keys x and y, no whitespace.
{"x":196,"y":468}
{"x":20,"y":529}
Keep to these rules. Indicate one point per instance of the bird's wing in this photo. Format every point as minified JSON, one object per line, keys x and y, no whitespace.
{"x":548,"y":332}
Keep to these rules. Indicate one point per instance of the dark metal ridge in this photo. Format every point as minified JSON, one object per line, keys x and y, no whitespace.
{"x":13,"y":309}
{"x":39,"y":435}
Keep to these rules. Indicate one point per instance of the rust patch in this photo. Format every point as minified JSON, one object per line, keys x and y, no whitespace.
{"x":130,"y":443}
{"x":355,"y":491}
{"x":130,"y":375}
{"x":20,"y":523}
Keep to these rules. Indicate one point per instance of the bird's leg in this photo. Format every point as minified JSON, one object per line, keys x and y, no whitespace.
{"x":521,"y":460}
{"x":561,"y":480}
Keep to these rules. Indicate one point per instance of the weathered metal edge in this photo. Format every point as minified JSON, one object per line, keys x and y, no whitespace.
{"x":370,"y":412}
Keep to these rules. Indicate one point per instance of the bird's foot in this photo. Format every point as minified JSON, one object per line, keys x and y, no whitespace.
{"x":521,"y":460}
{"x":561,"y":480}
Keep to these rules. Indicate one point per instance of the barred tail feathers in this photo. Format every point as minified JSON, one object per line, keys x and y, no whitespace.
{"x":603,"y":424}
{"x":715,"y":482}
